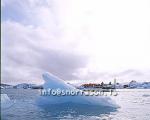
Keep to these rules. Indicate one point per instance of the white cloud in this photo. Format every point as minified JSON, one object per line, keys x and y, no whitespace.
{"x":113,"y":34}
{"x":27,"y":53}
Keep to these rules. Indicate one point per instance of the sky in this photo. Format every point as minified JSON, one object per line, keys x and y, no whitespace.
{"x":76,"y":40}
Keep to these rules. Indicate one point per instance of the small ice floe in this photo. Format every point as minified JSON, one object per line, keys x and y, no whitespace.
{"x":6,"y":102}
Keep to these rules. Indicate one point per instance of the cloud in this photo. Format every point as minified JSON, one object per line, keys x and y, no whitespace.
{"x":124,"y":75}
{"x":75,"y":39}
{"x":25,"y":55}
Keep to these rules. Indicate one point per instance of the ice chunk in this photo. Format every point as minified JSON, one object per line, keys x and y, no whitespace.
{"x":5,"y":101}
{"x":54,"y":82}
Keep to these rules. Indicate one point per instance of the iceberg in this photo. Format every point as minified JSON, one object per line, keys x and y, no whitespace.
{"x":6,"y":102}
{"x":53,"y":82}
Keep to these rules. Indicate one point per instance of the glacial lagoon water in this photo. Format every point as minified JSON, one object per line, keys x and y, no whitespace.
{"x":134,"y":105}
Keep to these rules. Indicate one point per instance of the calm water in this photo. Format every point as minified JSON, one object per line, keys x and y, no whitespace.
{"x":134,"y":105}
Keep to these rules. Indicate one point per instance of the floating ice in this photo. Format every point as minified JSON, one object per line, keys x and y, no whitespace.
{"x":54,"y":82}
{"x":5,"y":101}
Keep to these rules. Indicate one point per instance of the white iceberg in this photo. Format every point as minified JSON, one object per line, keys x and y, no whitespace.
{"x":53,"y":82}
{"x":6,"y":102}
